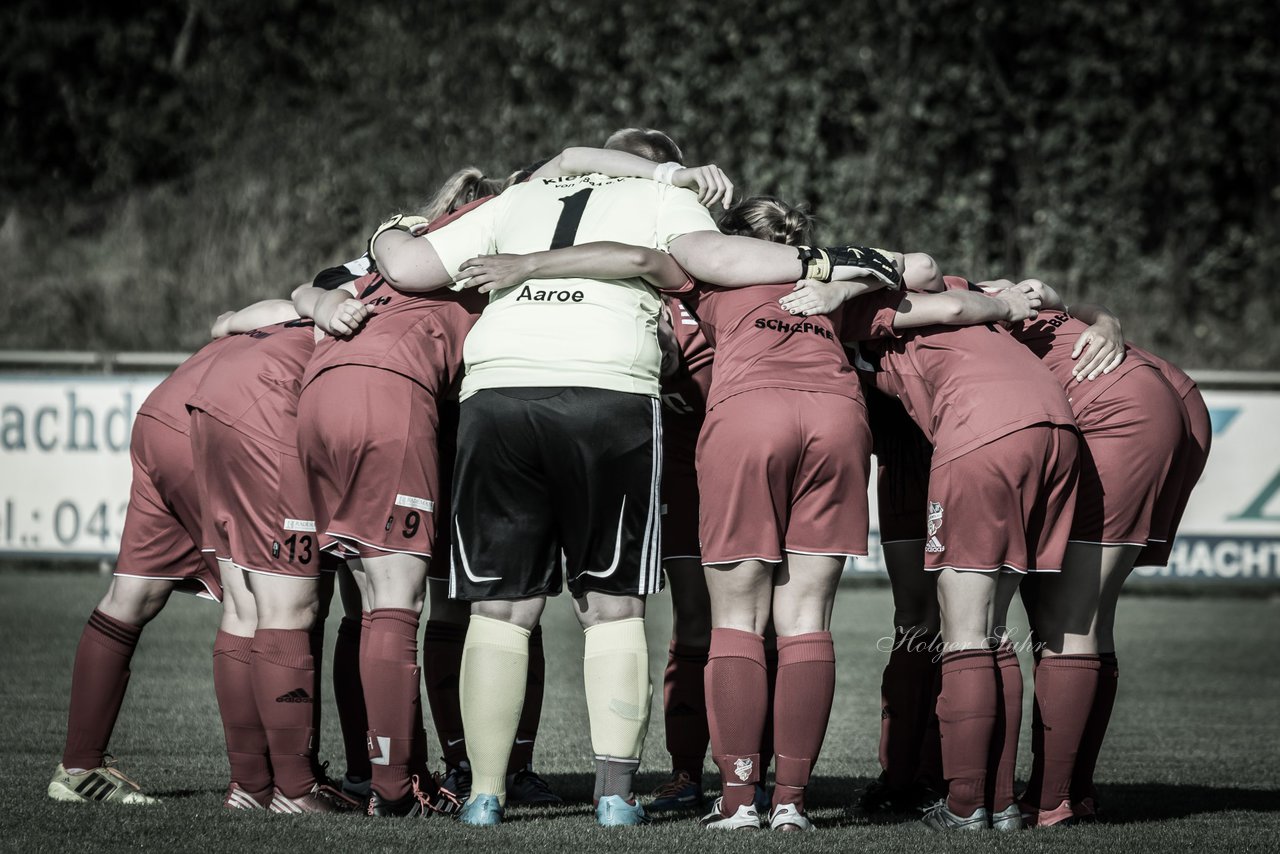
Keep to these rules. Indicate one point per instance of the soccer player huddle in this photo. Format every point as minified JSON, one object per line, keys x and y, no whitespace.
{"x":579,"y":377}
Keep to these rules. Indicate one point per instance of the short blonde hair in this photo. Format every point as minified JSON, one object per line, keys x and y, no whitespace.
{"x":647,"y":143}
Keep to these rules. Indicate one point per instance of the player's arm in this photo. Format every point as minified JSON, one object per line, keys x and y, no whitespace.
{"x":950,"y":308}
{"x":735,"y":261}
{"x":1099,"y":349}
{"x":709,"y":182}
{"x":605,"y":260}
{"x":264,"y":313}
{"x":335,"y":311}
{"x":921,"y":273}
{"x":966,"y":308}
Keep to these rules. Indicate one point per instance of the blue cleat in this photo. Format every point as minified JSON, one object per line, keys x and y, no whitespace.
{"x":483,"y":811}
{"x":617,"y":811}
{"x":678,"y":793}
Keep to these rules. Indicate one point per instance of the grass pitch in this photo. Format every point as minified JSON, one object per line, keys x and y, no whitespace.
{"x":1192,"y":760}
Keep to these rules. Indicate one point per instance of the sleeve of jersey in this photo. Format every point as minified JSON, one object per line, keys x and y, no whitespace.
{"x":465,"y":237}
{"x":679,"y":213}
{"x":684,"y":287}
{"x":870,"y":316}
{"x":332,"y":278}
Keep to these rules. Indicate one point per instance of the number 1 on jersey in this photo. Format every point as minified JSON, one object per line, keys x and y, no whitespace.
{"x":570,"y":217}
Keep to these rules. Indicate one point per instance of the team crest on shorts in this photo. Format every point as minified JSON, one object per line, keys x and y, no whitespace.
{"x":742,"y":769}
{"x":935,"y":522}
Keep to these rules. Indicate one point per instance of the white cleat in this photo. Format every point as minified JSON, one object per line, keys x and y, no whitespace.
{"x":787,"y":817}
{"x":745,"y":818}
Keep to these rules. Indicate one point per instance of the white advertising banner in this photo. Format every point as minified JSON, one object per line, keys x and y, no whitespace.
{"x":65,"y":472}
{"x":64,"y":461}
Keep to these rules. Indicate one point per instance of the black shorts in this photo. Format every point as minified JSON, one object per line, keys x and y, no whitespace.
{"x":552,"y":478}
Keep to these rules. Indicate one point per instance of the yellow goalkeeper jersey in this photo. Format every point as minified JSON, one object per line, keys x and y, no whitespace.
{"x":569,"y":332}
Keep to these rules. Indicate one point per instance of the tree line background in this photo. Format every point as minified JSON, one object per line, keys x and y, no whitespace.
{"x":163,"y":163}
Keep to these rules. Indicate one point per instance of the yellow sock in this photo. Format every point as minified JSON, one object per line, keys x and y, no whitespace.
{"x":615,"y":669}
{"x":495,"y":665}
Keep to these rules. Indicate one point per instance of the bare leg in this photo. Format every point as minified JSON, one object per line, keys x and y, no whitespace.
{"x":136,"y":600}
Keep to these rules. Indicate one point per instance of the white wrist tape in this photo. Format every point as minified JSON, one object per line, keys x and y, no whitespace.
{"x":666,"y":171}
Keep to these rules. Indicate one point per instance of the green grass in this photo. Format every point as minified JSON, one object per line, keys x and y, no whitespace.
{"x":1192,"y":761}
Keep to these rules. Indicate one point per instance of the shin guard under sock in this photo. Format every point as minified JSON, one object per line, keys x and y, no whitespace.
{"x":247,"y":750}
{"x":805,"y":687}
{"x":737,"y":694}
{"x":284,"y":686}
{"x":966,"y":718}
{"x":98,"y":682}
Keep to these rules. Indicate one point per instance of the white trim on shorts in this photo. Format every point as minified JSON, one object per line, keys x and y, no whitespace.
{"x":1004,"y":567}
{"x":207,"y":594}
{"x":682,"y":557}
{"x":824,"y":554}
{"x":275,"y":574}
{"x":339,"y":537}
{"x":908,"y":540}
{"x":651,"y":552}
{"x":1100,"y":543}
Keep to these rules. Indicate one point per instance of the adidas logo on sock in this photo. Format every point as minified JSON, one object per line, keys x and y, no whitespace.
{"x":297,"y":695}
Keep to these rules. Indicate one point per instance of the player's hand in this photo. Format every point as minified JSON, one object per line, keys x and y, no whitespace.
{"x":1020,"y":303}
{"x":495,"y":272}
{"x":710,"y":183}
{"x":1049,"y":298}
{"x":342,"y":319}
{"x":812,"y":297}
{"x":220,"y":324}
{"x":1099,"y":350}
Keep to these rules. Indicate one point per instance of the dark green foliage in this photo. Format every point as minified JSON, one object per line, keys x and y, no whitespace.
{"x":1124,"y":151}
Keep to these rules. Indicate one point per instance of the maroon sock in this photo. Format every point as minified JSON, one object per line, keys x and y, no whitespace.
{"x":392,"y":698}
{"x":441,"y":663}
{"x":246,"y":739}
{"x":737,"y":691}
{"x":348,"y":692}
{"x":98,"y":682}
{"x":1004,"y":737}
{"x":801,"y":708}
{"x":966,"y":717}
{"x":684,"y":707}
{"x":1082,"y":785}
{"x":1065,"y":689}
{"x":531,"y":712}
{"x":284,"y":687}
{"x":771,"y":676}
{"x":906,"y":689}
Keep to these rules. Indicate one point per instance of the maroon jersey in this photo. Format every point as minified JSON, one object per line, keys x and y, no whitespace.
{"x":167,"y":402}
{"x":253,"y":386}
{"x":964,"y":386}
{"x":1176,"y":377}
{"x":759,"y":344}
{"x":685,"y":391}
{"x":419,"y":336}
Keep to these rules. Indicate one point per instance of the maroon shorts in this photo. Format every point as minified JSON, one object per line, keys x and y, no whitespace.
{"x":367,"y":437}
{"x":680,"y":486}
{"x":1131,"y":433}
{"x":1007,"y":504}
{"x":783,"y":471}
{"x":257,"y":513}
{"x":162,"y":532}
{"x":1184,"y":474}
